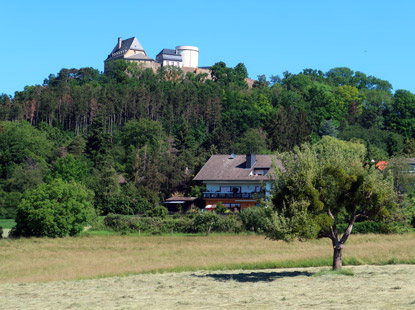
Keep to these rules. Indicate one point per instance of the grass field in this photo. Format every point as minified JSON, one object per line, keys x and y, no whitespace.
{"x":42,"y":259}
{"x":371,"y":287}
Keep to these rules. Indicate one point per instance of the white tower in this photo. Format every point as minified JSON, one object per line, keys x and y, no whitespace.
{"x":190,"y":55}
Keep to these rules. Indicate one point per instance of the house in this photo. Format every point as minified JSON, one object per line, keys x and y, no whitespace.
{"x":181,"y":204}
{"x":169,"y":57}
{"x":130,"y":50}
{"x":238,"y":181}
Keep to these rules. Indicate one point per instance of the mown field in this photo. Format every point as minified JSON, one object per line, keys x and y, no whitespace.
{"x":42,"y":259}
{"x":371,"y":287}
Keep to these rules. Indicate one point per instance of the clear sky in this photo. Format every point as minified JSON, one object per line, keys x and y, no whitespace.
{"x":38,"y":38}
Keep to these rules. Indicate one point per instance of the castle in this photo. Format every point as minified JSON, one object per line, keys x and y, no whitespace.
{"x":184,"y":56}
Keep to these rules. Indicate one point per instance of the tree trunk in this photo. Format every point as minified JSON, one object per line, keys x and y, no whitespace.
{"x":337,"y":256}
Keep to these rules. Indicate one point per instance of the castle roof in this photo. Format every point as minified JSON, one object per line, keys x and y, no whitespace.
{"x":124,"y":46}
{"x":167,"y":51}
{"x":129,"y":44}
{"x":139,"y":57}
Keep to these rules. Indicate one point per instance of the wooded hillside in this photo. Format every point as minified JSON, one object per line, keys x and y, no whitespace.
{"x":134,"y":137}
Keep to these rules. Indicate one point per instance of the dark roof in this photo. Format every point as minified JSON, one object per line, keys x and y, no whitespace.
{"x":139,"y":57}
{"x":126,"y":45}
{"x":167,"y":51}
{"x":233,"y":168}
{"x":129,"y":44}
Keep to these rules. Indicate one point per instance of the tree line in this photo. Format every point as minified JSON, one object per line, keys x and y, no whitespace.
{"x":133,"y":137}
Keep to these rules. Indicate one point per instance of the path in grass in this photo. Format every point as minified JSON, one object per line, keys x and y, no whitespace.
{"x":371,"y":287}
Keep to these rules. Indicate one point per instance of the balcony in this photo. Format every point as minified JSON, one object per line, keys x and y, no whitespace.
{"x":253,"y":195}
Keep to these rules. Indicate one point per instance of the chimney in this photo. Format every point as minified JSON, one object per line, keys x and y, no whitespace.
{"x":119,"y":42}
{"x":250,"y":161}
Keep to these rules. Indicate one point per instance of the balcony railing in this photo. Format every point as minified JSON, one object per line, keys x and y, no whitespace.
{"x":233,"y":195}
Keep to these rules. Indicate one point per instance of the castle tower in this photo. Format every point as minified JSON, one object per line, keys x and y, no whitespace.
{"x":190,"y":55}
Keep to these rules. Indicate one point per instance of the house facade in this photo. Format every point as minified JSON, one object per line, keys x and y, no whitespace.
{"x":237,"y":181}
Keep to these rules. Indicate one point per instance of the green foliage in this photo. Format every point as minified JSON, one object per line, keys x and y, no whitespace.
{"x":256,"y":219}
{"x":328,"y":128}
{"x":230,"y":224}
{"x":142,"y":132}
{"x":69,"y":168}
{"x":20,"y":142}
{"x":158,"y":211}
{"x":370,"y":227}
{"x":254,"y":141}
{"x":56,"y":209}
{"x":151,"y":225}
{"x":205,"y":222}
{"x":156,"y":130}
{"x":220,"y":208}
{"x":380,"y":144}
{"x":325,"y":185}
{"x":123,"y":203}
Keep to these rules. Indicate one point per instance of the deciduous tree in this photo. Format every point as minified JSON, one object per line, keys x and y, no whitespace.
{"x":325,"y":185}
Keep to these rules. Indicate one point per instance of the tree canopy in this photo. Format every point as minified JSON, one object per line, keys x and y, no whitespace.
{"x":324,"y":185}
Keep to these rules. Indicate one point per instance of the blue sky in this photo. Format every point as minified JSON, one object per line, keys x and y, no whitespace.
{"x":39,"y":38}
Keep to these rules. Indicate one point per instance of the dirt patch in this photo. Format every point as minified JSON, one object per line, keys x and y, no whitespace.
{"x":371,"y":287}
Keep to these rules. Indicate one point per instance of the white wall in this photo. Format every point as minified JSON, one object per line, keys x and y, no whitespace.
{"x":190,"y":55}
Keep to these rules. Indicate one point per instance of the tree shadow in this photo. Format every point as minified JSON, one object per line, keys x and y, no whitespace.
{"x":255,"y":276}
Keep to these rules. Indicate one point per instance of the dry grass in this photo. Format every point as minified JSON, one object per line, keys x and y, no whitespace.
{"x":371,"y":287}
{"x":34,"y":260}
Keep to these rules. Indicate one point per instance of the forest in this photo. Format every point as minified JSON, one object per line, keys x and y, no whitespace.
{"x":131,"y":138}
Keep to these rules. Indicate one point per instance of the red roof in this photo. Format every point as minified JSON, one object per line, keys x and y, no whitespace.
{"x":381,"y":165}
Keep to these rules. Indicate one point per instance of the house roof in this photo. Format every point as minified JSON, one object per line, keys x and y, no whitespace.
{"x":381,"y":165}
{"x":139,"y":57}
{"x":233,"y":168}
{"x":129,"y":44}
{"x":167,"y":51}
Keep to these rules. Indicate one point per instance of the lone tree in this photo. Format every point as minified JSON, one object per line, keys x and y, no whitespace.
{"x":324,"y":185}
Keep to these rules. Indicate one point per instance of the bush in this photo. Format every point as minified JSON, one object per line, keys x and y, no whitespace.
{"x":205,"y":222}
{"x":255,"y":219}
{"x":56,"y":209}
{"x":153,"y":225}
{"x":159,"y":211}
{"x":230,"y":223}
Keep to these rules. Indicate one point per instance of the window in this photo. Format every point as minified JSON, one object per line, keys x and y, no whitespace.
{"x":258,"y":189}
{"x":230,"y":189}
{"x":259,"y":171}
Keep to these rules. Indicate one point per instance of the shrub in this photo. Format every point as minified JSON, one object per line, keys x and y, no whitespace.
{"x":159,"y":211}
{"x":255,"y":219}
{"x":56,"y":209}
{"x":205,"y":222}
{"x":153,"y":225}
{"x":230,"y":223}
